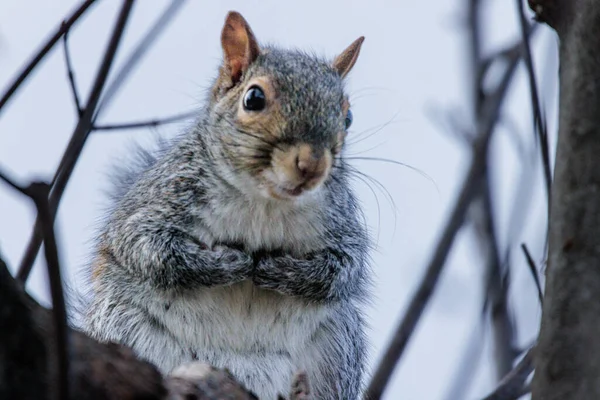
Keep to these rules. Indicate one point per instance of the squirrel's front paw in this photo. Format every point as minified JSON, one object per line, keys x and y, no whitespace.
{"x":234,"y":259}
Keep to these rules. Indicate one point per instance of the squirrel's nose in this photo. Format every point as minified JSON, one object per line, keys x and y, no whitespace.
{"x":307,"y":165}
{"x":311,"y":163}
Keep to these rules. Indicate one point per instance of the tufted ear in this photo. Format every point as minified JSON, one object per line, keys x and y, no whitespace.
{"x":240,"y":48}
{"x":345,"y":61}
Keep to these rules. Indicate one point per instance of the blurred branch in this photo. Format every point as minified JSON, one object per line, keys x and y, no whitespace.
{"x":138,"y":53}
{"x":540,"y":124}
{"x":71,"y":74}
{"x":468,"y":365}
{"x":514,"y":385}
{"x":147,"y":124}
{"x":470,"y":188}
{"x":78,"y":139}
{"x":496,"y":284}
{"x":65,"y":26}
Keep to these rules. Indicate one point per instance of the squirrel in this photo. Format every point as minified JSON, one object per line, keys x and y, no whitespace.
{"x":240,"y":243}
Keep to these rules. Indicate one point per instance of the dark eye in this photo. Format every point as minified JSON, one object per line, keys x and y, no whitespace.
{"x":349,"y":119}
{"x":254,"y":99}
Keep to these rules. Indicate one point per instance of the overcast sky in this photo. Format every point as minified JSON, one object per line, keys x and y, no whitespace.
{"x":412,"y":62}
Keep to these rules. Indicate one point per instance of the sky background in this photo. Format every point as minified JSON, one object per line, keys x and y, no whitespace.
{"x":412,"y":71}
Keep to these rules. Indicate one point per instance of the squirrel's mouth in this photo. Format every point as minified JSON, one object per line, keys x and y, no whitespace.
{"x":282,"y":193}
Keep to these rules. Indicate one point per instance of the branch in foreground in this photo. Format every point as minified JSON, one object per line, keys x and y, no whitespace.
{"x":38,"y":192}
{"x":86,"y":122}
{"x":78,"y":139}
{"x":66,"y":25}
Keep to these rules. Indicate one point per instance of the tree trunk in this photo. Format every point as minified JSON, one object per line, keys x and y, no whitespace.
{"x":568,"y":354}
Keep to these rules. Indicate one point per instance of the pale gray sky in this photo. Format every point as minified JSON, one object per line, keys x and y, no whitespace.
{"x":413,"y":60}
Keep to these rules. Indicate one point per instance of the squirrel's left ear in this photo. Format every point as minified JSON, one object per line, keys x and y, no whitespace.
{"x":240,"y":47}
{"x":345,"y":61}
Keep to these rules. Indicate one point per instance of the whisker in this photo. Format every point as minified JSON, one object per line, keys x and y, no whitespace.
{"x":387,"y":160}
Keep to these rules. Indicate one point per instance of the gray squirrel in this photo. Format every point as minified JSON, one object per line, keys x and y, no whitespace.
{"x":240,"y":244}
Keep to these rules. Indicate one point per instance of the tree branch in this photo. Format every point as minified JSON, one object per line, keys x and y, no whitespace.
{"x":147,"y":124}
{"x":513,"y":385}
{"x":71,"y":74}
{"x":78,"y":139}
{"x":469,"y":189}
{"x":65,"y":26}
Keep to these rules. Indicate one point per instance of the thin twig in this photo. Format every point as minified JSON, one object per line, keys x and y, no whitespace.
{"x":469,"y":189}
{"x":75,"y":146}
{"x":539,"y":122}
{"x":534,"y":272}
{"x":496,"y":286}
{"x":138,"y":54}
{"x":66,"y":25}
{"x":512,"y":386}
{"x":39,"y":192}
{"x":71,"y":74}
{"x":147,"y":124}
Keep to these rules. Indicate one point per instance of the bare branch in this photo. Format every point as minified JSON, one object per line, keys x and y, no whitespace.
{"x":487,"y":118}
{"x":78,"y":139}
{"x":66,"y":25}
{"x":513,"y":385}
{"x":147,"y":124}
{"x":540,"y":125}
{"x":496,"y":285}
{"x":85,"y":125}
{"x":138,"y":54}
{"x":470,"y":187}
{"x":38,"y":192}
{"x":71,"y":73}
{"x":534,"y":272}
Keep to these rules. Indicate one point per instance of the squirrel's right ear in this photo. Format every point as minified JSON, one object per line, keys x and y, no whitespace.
{"x":240,"y":48}
{"x":345,"y":61}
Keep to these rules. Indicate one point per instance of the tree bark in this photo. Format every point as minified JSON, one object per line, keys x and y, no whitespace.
{"x":568,"y":353}
{"x":97,"y":371}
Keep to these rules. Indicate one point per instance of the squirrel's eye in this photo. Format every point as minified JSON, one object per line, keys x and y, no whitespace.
{"x":349,"y":119}
{"x":254,"y":99}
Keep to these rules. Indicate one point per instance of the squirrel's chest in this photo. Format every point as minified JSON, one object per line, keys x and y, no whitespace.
{"x":261,"y":226}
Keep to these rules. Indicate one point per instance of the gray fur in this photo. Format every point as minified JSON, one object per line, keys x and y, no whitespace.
{"x":197,"y":266}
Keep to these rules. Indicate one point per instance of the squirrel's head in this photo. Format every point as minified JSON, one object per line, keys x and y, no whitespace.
{"x":279,"y":118}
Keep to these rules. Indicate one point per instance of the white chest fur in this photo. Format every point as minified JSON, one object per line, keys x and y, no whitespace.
{"x":264,"y":224}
